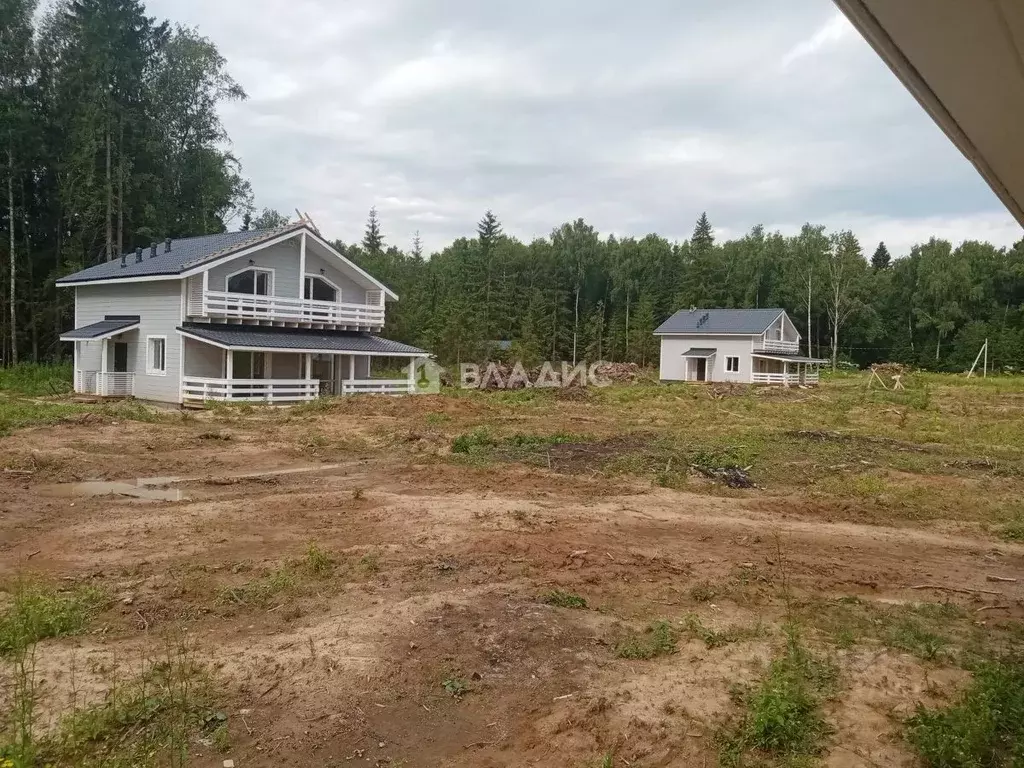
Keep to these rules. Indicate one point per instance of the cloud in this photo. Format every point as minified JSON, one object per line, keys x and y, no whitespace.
{"x":832,"y":31}
{"x":634,"y":116}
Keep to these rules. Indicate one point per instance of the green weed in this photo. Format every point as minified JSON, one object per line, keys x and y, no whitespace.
{"x":983,"y":729}
{"x":564,"y":599}
{"x":318,"y":561}
{"x":659,"y":639}
{"x":716,"y":638}
{"x":455,"y":686}
{"x":259,"y":592}
{"x":38,"y":611}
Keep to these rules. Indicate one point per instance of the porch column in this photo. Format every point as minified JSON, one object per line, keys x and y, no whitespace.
{"x":78,"y":375}
{"x":229,"y":372}
{"x":785,"y":374}
{"x":102,"y":383}
{"x":412,"y":375}
{"x":309,"y":373}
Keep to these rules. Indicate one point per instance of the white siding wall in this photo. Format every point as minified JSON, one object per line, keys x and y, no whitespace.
{"x":351,"y":292}
{"x":673,"y":364}
{"x":283,"y":258}
{"x":159,"y":305}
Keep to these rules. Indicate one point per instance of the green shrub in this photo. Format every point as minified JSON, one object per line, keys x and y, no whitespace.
{"x":983,"y":729}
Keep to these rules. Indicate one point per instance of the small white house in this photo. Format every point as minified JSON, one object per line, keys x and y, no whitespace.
{"x":265,"y":315}
{"x":749,"y":346}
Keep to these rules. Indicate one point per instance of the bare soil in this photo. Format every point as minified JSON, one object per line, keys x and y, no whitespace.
{"x":439,"y":570}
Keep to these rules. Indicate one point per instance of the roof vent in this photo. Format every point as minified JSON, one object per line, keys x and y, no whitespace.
{"x":124,"y":260}
{"x":167,"y":245}
{"x":152,"y":250}
{"x":704,"y":318}
{"x":138,"y":255}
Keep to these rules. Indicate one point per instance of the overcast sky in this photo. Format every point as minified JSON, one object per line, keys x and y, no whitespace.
{"x":633,"y":115}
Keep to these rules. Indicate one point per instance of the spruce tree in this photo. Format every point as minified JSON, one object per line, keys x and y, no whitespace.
{"x":880,"y":259}
{"x":489,"y":230}
{"x":373,"y":241}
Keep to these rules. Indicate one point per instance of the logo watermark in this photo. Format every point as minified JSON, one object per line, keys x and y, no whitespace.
{"x":496,"y":375}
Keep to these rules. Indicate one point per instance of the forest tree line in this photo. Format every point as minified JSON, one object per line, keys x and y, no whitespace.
{"x":578,"y":295}
{"x":110,"y":140}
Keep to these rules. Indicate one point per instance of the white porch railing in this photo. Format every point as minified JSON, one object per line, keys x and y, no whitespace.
{"x":809,"y":377}
{"x":774,"y":345}
{"x":105,"y":384}
{"x":376,"y":386}
{"x":252,"y":307}
{"x":250,"y":390}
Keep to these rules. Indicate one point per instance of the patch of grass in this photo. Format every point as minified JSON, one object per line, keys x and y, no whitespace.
{"x":909,"y":635}
{"x":1013,"y":531}
{"x":38,"y":611}
{"x":783,"y":719}
{"x":564,"y":599}
{"x":318,"y":561}
{"x":716,"y":638}
{"x":659,"y":639}
{"x":481,"y":440}
{"x":37,"y":379}
{"x":434,"y":419}
{"x":471,"y":442}
{"x":259,"y":592}
{"x":983,"y":729}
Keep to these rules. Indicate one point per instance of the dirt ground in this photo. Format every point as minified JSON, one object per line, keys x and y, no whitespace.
{"x":440,"y":566}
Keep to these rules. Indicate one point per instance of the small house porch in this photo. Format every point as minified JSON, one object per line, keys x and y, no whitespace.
{"x":790,"y":370}
{"x":103,"y":359}
{"x":233,"y":364}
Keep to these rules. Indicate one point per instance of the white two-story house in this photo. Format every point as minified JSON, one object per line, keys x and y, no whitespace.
{"x":266,"y":315}
{"x":752,"y":346}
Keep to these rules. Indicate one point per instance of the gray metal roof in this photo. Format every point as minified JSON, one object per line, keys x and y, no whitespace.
{"x":108,"y":326}
{"x":299,"y":339}
{"x":185,"y":253}
{"x":741,"y":321}
{"x":700,"y":352}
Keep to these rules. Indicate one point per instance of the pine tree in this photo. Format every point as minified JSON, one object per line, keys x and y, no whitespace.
{"x":880,"y":259}
{"x":489,"y":231}
{"x":703,"y":239}
{"x":417,"y":247}
{"x":373,"y":241}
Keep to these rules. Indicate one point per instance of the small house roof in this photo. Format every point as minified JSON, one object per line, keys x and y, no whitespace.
{"x":720,"y":321}
{"x":185,"y":252}
{"x":110,"y":325}
{"x":296,"y":339}
{"x":700,"y":352}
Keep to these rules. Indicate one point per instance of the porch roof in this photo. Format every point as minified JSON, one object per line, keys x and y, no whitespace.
{"x":270,"y":339}
{"x":110,"y":325}
{"x":789,"y":358}
{"x":700,"y":352}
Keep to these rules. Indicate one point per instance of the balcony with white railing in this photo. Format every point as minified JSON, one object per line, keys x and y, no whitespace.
{"x":778,"y":346}
{"x":105,"y":383}
{"x":285,"y":309}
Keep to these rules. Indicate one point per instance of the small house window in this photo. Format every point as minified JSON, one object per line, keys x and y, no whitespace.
{"x":156,"y":355}
{"x":732,"y":364}
{"x":252,"y":281}
{"x":319,"y":289}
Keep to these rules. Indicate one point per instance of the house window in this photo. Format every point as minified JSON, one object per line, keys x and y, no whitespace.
{"x":732,"y":364}
{"x":320,"y":289}
{"x":156,"y":355}
{"x":256,"y":282}
{"x":248,"y":365}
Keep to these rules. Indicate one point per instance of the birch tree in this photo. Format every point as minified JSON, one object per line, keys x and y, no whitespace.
{"x":845,"y":266}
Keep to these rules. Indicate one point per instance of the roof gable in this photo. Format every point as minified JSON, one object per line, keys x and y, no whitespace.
{"x":720,"y":321}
